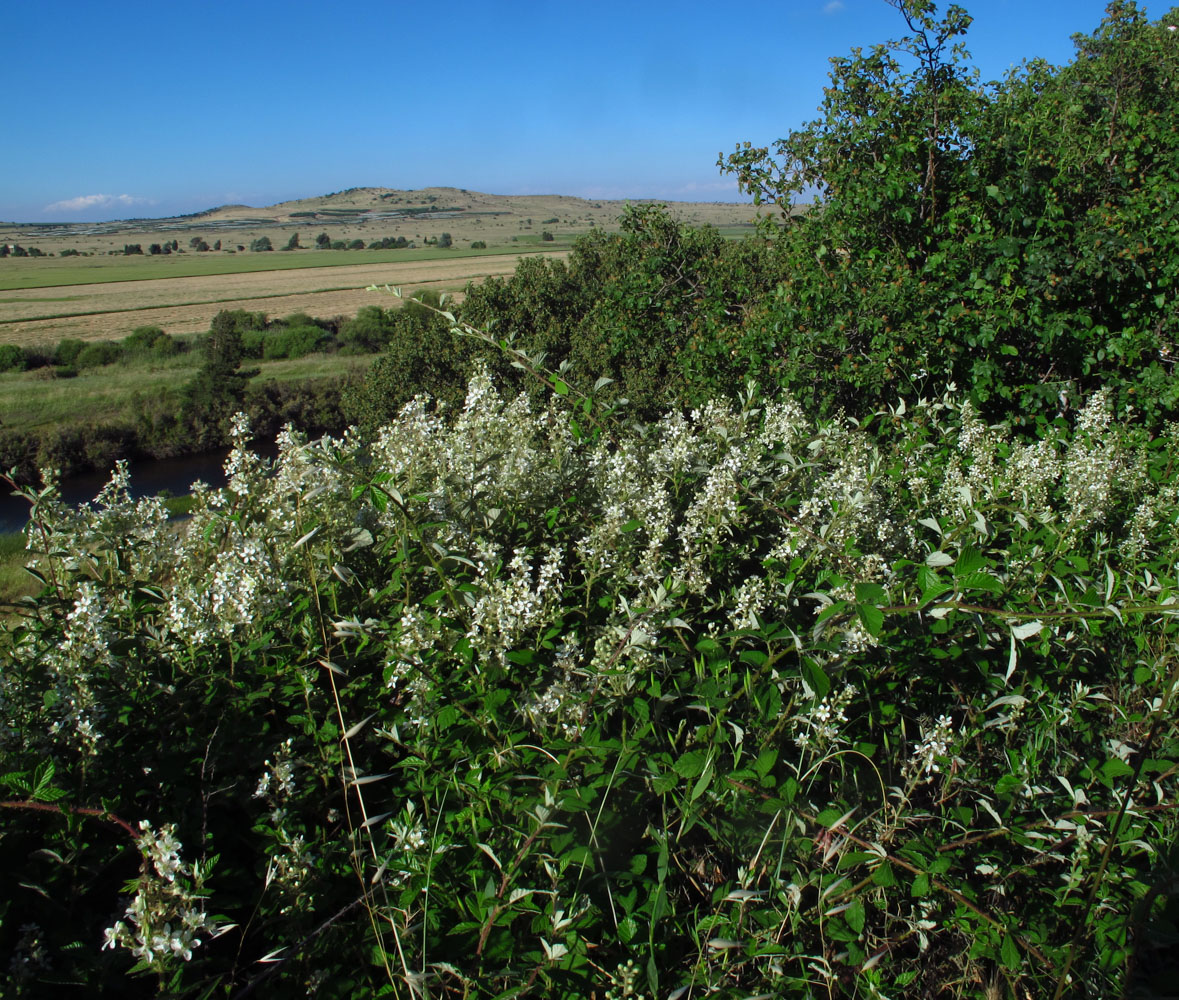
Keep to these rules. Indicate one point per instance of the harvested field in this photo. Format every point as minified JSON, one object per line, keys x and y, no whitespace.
{"x":40,"y":317}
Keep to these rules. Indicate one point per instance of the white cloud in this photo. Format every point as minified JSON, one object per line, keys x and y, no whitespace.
{"x":834,"y":7}
{"x":90,"y":202}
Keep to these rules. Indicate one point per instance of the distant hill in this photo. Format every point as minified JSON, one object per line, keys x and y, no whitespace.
{"x":367,"y":212}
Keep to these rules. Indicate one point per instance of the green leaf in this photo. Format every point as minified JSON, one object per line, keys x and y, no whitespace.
{"x":871,"y":593}
{"x":920,"y":885}
{"x":765,"y":761}
{"x":560,"y":388}
{"x":872,"y":617}
{"x":1116,"y":768}
{"x":1010,"y":952}
{"x":702,"y":783}
{"x":691,"y":764}
{"x":980,"y":581}
{"x":969,"y":560}
{"x":854,"y":915}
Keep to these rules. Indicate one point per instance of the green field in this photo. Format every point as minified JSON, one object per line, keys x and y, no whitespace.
{"x":35,"y":401}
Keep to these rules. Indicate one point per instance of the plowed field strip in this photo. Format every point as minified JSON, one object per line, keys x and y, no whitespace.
{"x":187,"y":305}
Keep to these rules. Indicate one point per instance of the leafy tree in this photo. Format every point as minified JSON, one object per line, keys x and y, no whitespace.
{"x":479,"y":245}
{"x":217,"y":389}
{"x":984,"y":235}
{"x":132,"y":248}
{"x":445,"y":241}
{"x":547,"y":237}
{"x":261,"y":244}
{"x":293,"y":243}
{"x":217,"y":245}
{"x":155,"y":249}
{"x":356,"y":245}
{"x":323,"y":242}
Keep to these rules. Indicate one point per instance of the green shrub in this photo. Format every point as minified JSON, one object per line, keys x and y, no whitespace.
{"x":13,"y":358}
{"x":98,"y":353}
{"x":67,"y":351}
{"x":149,"y":340}
{"x":728,"y":687}
{"x":294,"y":341}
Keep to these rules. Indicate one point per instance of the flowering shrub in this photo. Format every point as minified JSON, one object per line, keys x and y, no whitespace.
{"x":485,"y":704}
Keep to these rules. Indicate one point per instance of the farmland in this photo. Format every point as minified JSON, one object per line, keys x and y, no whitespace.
{"x":36,"y":317}
{"x":97,"y":292}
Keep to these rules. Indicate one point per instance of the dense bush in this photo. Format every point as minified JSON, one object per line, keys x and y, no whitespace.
{"x":97,"y":353}
{"x":735,"y":703}
{"x":149,"y":340}
{"x":13,"y":358}
{"x":67,"y":351}
{"x":1015,"y":237}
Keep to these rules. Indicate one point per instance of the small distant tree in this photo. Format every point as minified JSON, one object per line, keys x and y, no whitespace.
{"x":132,"y":248}
{"x":546,"y":236}
{"x":356,"y":245}
{"x":155,"y":249}
{"x":338,"y":245}
{"x":261,"y":244}
{"x":323,"y":242}
{"x":479,"y":245}
{"x":4,"y":251}
{"x":445,"y":241}
{"x":217,"y":245}
{"x":195,"y":242}
{"x":34,"y":252}
{"x":293,"y":243}
{"x":175,"y":246}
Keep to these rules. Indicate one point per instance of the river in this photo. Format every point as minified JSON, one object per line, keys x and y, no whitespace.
{"x":148,"y":477}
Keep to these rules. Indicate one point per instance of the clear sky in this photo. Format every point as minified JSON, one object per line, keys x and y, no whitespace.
{"x":122,"y":108}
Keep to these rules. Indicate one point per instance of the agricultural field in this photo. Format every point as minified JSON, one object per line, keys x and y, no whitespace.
{"x":34,"y":317}
{"x":101,"y":293}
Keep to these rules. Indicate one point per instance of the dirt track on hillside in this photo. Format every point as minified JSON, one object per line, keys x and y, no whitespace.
{"x":187,"y":305}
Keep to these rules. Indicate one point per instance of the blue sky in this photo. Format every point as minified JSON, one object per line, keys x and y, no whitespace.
{"x":130,"y":108}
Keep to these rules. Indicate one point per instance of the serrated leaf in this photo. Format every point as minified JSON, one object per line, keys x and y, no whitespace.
{"x":938,"y":559}
{"x":854,"y":915}
{"x":980,"y":581}
{"x":872,"y":617}
{"x":871,"y":593}
{"x":969,"y":560}
{"x":691,"y":764}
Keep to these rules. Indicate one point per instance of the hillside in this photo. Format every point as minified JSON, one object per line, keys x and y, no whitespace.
{"x":367,"y":213}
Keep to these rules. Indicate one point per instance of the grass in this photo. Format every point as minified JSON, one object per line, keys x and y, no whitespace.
{"x":42,"y":273}
{"x":15,"y":580}
{"x":33,"y":401}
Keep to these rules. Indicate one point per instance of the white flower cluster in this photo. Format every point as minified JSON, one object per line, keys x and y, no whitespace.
{"x":932,"y":750}
{"x":167,"y":914}
{"x":1087,"y":466}
{"x":821,"y":725}
{"x":512,"y":606}
{"x":278,"y":780}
